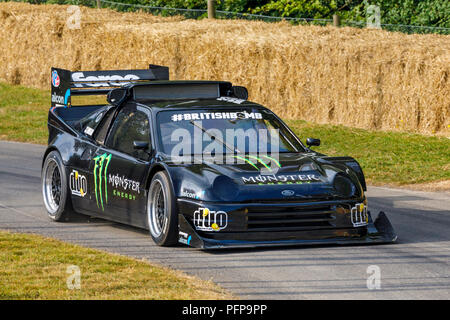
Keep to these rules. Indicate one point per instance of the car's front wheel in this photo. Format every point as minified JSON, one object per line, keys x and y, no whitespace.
{"x":161,"y":211}
{"x":55,"y":188}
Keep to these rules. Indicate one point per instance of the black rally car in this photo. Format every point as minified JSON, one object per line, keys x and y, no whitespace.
{"x":138,"y":160}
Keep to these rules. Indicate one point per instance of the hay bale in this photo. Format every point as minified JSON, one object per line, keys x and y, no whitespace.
{"x":363,"y":78}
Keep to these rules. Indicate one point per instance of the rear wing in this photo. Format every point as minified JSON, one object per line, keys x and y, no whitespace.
{"x":66,"y":83}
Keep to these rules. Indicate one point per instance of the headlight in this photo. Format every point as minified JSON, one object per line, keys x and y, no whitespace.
{"x":344,"y":186}
{"x":225,"y":188}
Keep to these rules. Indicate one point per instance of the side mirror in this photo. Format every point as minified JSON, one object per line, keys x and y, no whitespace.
{"x":313,"y":142}
{"x":117,"y":96}
{"x":141,"y":145}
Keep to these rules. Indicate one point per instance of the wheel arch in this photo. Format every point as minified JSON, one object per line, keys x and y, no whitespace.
{"x":157,"y":167}
{"x":47,"y":151}
{"x":154,"y":169}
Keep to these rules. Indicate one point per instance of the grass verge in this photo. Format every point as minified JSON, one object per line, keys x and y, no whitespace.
{"x":393,"y":158}
{"x":35,"y":267}
{"x":23,"y":114}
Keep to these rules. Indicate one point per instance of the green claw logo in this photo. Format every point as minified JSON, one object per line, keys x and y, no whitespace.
{"x":253,"y":164}
{"x":100,"y":172}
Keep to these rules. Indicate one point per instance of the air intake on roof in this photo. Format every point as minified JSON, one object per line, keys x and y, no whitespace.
{"x":177,"y":91}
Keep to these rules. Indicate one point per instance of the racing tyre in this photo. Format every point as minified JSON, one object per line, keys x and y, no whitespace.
{"x":161,"y":211}
{"x":55,"y":188}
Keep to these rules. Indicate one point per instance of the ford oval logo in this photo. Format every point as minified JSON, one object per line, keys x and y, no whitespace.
{"x":287,"y":193}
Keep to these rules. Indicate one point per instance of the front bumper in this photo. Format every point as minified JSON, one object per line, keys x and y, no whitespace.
{"x":337,"y":231}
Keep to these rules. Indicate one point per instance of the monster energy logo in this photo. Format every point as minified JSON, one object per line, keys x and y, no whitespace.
{"x":253,"y":160}
{"x":281,"y":179}
{"x":100,"y":181}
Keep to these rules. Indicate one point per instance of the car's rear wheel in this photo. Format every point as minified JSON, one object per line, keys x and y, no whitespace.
{"x":161,"y":211}
{"x":55,"y":188}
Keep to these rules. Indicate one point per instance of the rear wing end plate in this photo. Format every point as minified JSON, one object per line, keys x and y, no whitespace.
{"x":66,"y":83}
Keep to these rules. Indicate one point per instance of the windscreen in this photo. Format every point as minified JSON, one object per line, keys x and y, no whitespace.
{"x":240,"y":130}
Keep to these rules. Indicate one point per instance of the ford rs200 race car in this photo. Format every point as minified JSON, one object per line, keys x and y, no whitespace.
{"x":195,"y":163}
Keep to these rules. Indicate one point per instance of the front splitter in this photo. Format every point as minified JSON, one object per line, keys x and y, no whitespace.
{"x":380,"y":231}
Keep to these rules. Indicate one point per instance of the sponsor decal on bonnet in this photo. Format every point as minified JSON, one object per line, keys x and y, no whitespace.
{"x":281,"y":179}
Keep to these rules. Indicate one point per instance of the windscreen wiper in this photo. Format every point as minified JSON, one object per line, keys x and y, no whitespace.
{"x":213,"y":137}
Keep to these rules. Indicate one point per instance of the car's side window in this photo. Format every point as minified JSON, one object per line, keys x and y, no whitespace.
{"x":131,"y":124}
{"x":102,"y":128}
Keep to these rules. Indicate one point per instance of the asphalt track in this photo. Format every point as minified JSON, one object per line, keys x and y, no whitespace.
{"x":417,"y":267}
